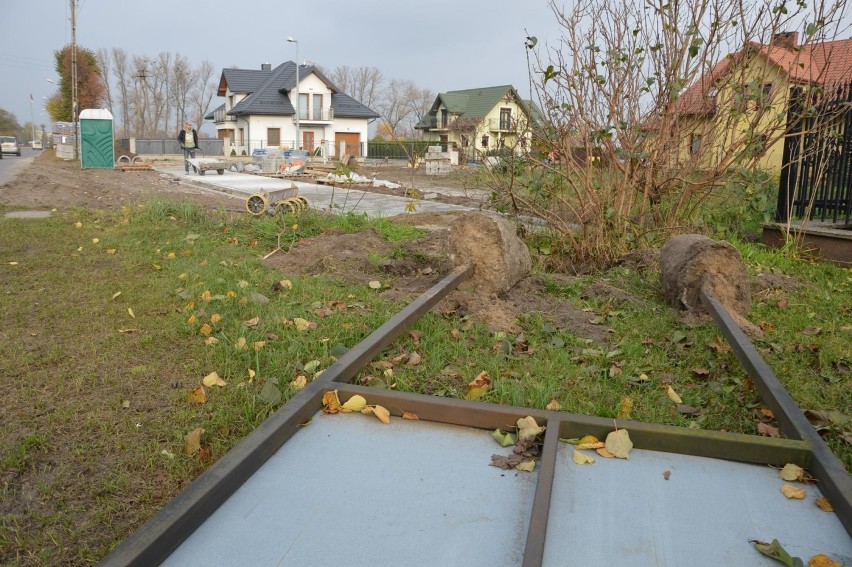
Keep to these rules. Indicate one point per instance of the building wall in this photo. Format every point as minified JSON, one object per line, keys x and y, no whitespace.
{"x":510,"y":139}
{"x":727,"y":131}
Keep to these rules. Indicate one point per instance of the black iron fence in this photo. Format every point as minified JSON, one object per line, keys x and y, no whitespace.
{"x":816,"y":175}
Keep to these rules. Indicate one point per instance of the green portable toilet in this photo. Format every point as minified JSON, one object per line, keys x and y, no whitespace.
{"x":97,"y":149}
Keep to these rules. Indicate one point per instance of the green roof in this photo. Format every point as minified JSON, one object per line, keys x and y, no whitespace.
{"x":476,"y":103}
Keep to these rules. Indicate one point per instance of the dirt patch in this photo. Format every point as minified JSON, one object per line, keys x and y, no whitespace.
{"x":50,"y":182}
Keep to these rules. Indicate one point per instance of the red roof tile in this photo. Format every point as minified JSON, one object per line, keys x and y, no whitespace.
{"x":820,"y":63}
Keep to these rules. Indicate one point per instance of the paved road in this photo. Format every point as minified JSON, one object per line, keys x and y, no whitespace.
{"x":12,"y":165}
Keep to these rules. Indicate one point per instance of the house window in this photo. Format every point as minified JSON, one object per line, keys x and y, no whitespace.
{"x":465,"y":141}
{"x":317,"y":110}
{"x":485,"y":141}
{"x":694,"y":144}
{"x":303,"y":106}
{"x":765,"y":95}
{"x":505,"y":118}
{"x":273,"y":137}
{"x":242,"y":137}
{"x":443,"y":118}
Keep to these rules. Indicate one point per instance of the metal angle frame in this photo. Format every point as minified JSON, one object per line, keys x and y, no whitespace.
{"x":167,"y":529}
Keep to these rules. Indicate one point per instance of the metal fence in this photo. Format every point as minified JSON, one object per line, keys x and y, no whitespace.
{"x":400,"y":150}
{"x":816,"y":175}
{"x":207,"y":146}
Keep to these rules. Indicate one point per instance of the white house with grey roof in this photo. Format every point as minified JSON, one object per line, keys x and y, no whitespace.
{"x":260,"y":112}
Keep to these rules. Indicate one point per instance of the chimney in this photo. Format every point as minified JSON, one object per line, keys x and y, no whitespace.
{"x":266,"y":67}
{"x":787,"y":40}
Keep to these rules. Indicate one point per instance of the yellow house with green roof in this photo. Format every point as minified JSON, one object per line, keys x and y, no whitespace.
{"x":480,"y":121}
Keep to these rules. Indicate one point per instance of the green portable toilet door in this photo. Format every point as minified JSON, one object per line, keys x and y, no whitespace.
{"x":97,"y":149}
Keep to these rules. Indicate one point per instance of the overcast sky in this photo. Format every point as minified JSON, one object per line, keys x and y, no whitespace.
{"x":438,"y":44}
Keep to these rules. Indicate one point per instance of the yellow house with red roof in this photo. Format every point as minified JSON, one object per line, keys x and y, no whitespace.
{"x":739,"y":109}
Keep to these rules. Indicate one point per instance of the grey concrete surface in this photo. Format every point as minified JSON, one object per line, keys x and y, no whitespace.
{"x":322,"y":197}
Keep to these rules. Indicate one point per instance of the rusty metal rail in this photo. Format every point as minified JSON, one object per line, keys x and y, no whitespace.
{"x":834,"y":481}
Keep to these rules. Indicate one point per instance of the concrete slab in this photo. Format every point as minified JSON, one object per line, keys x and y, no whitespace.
{"x":624,"y":512}
{"x":347,"y":489}
{"x":321,"y":197}
{"x":27,"y":215}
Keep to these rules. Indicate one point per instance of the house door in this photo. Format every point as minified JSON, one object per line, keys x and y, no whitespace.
{"x":308,"y":141}
{"x":348,"y":143}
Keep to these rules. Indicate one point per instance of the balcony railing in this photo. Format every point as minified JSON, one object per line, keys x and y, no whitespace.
{"x":501,"y":125}
{"x":220,"y":116}
{"x":316,"y":115}
{"x":432,"y":123}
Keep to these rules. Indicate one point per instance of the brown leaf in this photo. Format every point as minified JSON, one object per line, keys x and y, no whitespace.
{"x":667,"y":474}
{"x":192,"y":441}
{"x":382,"y":413}
{"x":604,"y":453}
{"x":767,"y":430}
{"x":767,"y":413}
{"x":782,"y":304}
{"x":700,"y":372}
{"x":253,"y":322}
{"x":811,"y":330}
{"x":823,"y":504}
{"x":410,"y":415}
{"x":415,"y":336}
{"x":330,"y":402}
{"x":454,"y":333}
{"x":719,"y":345}
{"x":481,"y":381}
{"x":554,"y":405}
{"x":414,"y":359}
{"x":793,"y":492}
{"x":198,"y":395}
{"x":688,"y":410}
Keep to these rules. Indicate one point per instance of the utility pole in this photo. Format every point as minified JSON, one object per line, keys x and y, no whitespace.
{"x":74,"y":93}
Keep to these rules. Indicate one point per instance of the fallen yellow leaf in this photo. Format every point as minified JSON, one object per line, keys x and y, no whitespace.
{"x":526,"y":466}
{"x":330,"y":402}
{"x":823,"y":504}
{"x":211,"y":341}
{"x":241,"y":344}
{"x":110,"y":250}
{"x":821,"y":560}
{"x":793,"y":492}
{"x":205,"y":329}
{"x":302,"y":324}
{"x":116,"y":294}
{"x":253,"y":322}
{"x":198,"y":395}
{"x":382,"y":413}
{"x":587,"y":439}
{"x":581,"y":458}
{"x":258,"y":345}
{"x":300,"y":382}
{"x":130,"y":312}
{"x":791,"y":472}
{"x":355,"y":403}
{"x":213,"y":379}
{"x":192,"y":441}
{"x":192,"y":319}
{"x":554,"y":405}
{"x":95,"y":240}
{"x":673,"y":395}
{"x":215,"y":318}
{"x":595,"y":445}
{"x":375,"y":284}
{"x":619,"y":444}
{"x":625,"y":408}
{"x":528,"y":428}
{"x":206,"y":295}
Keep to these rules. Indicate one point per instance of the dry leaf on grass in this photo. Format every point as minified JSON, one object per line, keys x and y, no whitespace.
{"x":767,"y":430}
{"x":213,"y":379}
{"x":673,"y":395}
{"x":192,"y":441}
{"x":198,"y":395}
{"x":299,"y":382}
{"x":554,"y":405}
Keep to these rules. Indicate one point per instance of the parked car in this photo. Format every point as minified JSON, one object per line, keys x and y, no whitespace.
{"x":9,"y":145}
{"x":37,"y":145}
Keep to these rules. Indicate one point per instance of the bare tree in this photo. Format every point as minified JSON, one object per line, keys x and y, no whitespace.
{"x":105,"y":64}
{"x":400,"y":106}
{"x":629,"y":94}
{"x":201,"y":93}
{"x":364,"y":84}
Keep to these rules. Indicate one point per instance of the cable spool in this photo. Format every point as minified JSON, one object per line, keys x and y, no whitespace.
{"x":256,"y":204}
{"x":295,"y":204}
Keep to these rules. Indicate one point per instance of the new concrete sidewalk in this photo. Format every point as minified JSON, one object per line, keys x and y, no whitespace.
{"x":322,"y":197}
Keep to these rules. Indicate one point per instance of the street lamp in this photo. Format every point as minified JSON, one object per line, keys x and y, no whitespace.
{"x":292,"y":40}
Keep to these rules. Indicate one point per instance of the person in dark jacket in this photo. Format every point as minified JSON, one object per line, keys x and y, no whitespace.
{"x":188,"y":139}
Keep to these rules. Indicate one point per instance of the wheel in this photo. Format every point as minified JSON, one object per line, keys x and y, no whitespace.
{"x":202,"y":171}
{"x":220,"y":171}
{"x":256,"y":204}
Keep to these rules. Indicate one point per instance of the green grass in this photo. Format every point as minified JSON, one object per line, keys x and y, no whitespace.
{"x":96,"y":404}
